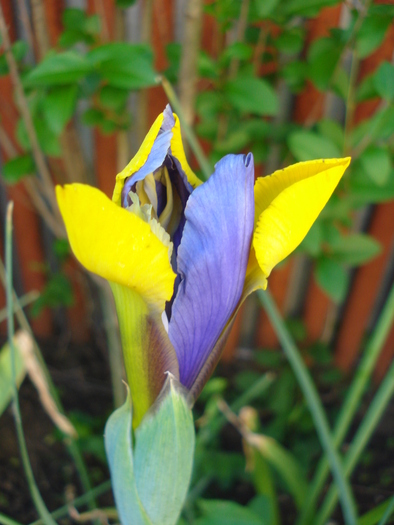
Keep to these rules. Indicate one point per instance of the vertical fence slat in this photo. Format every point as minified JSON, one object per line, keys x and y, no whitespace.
{"x":77,"y":321}
{"x":317,"y":306}
{"x":278,"y":283}
{"x":366,"y":284}
{"x":364,"y":289}
{"x":27,"y":228}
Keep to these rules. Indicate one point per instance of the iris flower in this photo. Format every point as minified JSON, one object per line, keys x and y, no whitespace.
{"x":181,"y":255}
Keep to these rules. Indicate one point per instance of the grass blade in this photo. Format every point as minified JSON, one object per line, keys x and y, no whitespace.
{"x":34,"y":491}
{"x":351,"y":402}
{"x":314,"y":404}
{"x":364,"y":433}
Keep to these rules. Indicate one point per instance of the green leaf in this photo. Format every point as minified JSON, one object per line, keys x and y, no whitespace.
{"x":207,"y":67}
{"x":371,"y":34}
{"x":238,"y":50}
{"x":332,"y":131}
{"x":302,"y":8}
{"x":74,"y":19}
{"x":376,"y":162}
{"x":290,"y":41}
{"x":113,"y":98}
{"x":285,"y":465}
{"x":265,"y":7}
{"x":123,"y":65}
{"x":119,"y":450}
{"x":295,"y":74}
{"x":313,"y":240}
{"x":307,"y":145}
{"x":57,"y":69}
{"x":70,"y":37}
{"x":366,"y":90}
{"x":57,"y":292}
{"x":16,"y":169}
{"x":92,"y":25}
{"x":365,"y":191}
{"x":323,"y":57}
{"x":217,"y":512}
{"x":355,"y":249}
{"x":58,"y":107}
{"x":332,"y":278}
{"x":252,"y":95}
{"x":49,"y":142}
{"x":93,"y":117}
{"x":19,"y":50}
{"x":384,"y":81}
{"x":124,"y":4}
{"x":6,"y":386}
{"x":173,"y":53}
{"x":151,"y":483}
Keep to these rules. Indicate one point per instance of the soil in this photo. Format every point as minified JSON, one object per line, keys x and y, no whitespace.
{"x":82,"y":377}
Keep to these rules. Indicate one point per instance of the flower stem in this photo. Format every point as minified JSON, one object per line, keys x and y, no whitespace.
{"x":202,"y":160}
{"x":313,"y":401}
{"x":77,"y":502}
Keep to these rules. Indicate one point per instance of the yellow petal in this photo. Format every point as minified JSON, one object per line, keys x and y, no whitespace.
{"x":116,"y":244}
{"x":138,"y":160}
{"x":287,"y":204}
{"x":179,"y":153}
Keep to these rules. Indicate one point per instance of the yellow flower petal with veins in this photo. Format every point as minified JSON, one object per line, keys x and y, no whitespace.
{"x":286,"y":205}
{"x":116,"y":244}
{"x":179,"y":153}
{"x":138,"y":160}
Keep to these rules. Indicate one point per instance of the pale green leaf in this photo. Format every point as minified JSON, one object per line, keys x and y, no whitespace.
{"x":252,"y":95}
{"x":6,"y":385}
{"x":384,"y":81}
{"x":17,"y":168}
{"x":308,"y":145}
{"x":371,"y":34}
{"x":217,"y":512}
{"x":58,"y":107}
{"x":332,"y":278}
{"x":150,"y":483}
{"x":58,"y":69}
{"x":355,"y":249}
{"x":119,"y":450}
{"x":124,"y":65}
{"x":164,"y":449}
{"x":376,"y":162}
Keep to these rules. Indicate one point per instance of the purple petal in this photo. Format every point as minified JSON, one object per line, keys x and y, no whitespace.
{"x":212,"y":260}
{"x":157,"y":154}
{"x":155,"y":159}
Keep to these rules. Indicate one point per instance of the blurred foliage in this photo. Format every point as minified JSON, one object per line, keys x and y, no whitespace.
{"x":245,"y":103}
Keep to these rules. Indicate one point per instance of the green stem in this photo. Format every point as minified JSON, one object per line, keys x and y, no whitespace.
{"x":5,"y":520}
{"x":113,"y":344}
{"x":377,"y":513}
{"x":70,"y":443}
{"x":364,"y":432}
{"x":34,"y":491}
{"x":256,"y":390}
{"x":78,"y":502}
{"x":313,"y":401}
{"x":388,"y":513}
{"x":187,"y":130}
{"x":351,"y":403}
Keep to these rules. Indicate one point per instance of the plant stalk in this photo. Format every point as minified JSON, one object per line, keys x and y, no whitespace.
{"x":313,"y":401}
